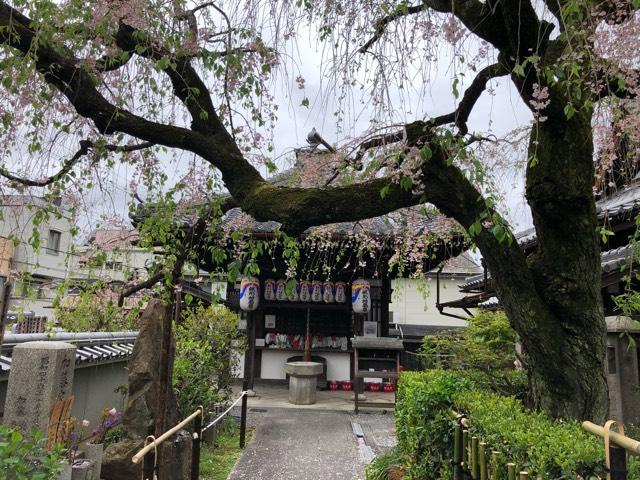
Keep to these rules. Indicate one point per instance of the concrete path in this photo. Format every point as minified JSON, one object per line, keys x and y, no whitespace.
{"x":312,"y":445}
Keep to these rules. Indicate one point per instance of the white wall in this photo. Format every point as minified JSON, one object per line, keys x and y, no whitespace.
{"x":410,"y":306}
{"x":272,"y":366}
{"x":18,"y":222}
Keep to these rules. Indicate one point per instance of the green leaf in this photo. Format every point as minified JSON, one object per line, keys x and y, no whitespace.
{"x":426,"y":153}
{"x":519,"y":70}
{"x":406,"y":183}
{"x":305,"y":102}
{"x":569,"y":111}
{"x":384,"y":191}
{"x":456,"y":93}
{"x":188,"y":298}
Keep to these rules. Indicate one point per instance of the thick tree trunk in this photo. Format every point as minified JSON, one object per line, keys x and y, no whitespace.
{"x":564,"y":342}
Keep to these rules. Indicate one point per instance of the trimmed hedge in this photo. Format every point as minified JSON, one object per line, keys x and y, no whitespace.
{"x":424,"y":425}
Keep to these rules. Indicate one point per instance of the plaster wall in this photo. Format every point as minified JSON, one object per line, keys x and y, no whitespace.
{"x":410,"y":305}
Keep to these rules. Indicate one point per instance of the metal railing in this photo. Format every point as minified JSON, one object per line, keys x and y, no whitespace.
{"x":149,"y":452}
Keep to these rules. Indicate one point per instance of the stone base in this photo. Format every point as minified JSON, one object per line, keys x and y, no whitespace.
{"x":303,"y":379}
{"x":302,"y":390}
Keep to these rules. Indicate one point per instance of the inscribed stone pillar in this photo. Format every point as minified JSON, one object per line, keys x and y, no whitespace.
{"x":41,"y":374}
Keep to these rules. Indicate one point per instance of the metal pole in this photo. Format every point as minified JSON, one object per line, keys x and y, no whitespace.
{"x":243,"y":420}
{"x":618,"y":462}
{"x":195,"y":448}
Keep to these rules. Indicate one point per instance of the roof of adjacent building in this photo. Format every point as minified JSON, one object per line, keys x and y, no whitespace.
{"x":92,"y":347}
{"x":409,"y":330}
{"x":622,"y":205}
{"x":619,"y":207}
{"x":463,"y":264}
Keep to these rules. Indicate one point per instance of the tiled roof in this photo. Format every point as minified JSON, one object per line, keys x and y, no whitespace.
{"x":622,"y":205}
{"x":463,"y":264}
{"x":384,"y":225}
{"x":413,"y":330}
{"x":610,"y":260}
{"x":92,"y":347}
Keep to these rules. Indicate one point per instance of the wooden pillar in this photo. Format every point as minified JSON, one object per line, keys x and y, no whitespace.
{"x":250,"y":373}
{"x":385,"y":299}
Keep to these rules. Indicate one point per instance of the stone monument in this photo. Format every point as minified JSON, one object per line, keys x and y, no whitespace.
{"x":41,"y":374}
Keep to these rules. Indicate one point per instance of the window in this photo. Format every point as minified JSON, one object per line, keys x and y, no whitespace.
{"x":53,"y":242}
{"x":612,"y":366}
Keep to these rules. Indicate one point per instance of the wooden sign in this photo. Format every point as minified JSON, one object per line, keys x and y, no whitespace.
{"x":59,"y":422}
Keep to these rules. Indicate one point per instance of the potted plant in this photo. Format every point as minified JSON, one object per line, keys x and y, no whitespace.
{"x":94,"y":448}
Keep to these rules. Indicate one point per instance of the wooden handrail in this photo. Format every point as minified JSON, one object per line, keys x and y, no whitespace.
{"x":158,"y":441}
{"x":629,"y":444}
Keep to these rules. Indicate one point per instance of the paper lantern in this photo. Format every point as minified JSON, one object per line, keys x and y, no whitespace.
{"x":293,"y":295}
{"x":269,"y":290}
{"x":305,"y":291}
{"x":341,"y":292}
{"x":249,"y":293}
{"x":327,"y":292}
{"x":281,"y":291}
{"x":361,"y":296}
{"x":316,"y":291}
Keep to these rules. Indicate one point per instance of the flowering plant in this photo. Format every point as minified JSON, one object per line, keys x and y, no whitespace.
{"x":109,"y":419}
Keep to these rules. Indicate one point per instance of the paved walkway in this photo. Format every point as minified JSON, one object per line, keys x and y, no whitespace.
{"x":302,"y":444}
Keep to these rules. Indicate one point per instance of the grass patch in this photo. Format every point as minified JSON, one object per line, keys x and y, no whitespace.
{"x":216,"y":461}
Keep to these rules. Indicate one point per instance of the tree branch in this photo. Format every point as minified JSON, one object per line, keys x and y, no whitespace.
{"x":382,"y":23}
{"x":67,"y":165}
{"x":148,"y":283}
{"x":187,"y":84}
{"x":470,"y":97}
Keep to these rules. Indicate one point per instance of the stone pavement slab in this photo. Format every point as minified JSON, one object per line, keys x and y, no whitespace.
{"x":312,"y":445}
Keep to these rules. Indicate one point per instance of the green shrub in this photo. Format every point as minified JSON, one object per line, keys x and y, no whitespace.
{"x":531,"y":440}
{"x":205,"y":344}
{"x":26,"y":459}
{"x":423,"y":422}
{"x":485,"y":351}
{"x":546,"y":448}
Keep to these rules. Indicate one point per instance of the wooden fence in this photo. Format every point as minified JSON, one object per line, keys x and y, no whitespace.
{"x":472,"y":457}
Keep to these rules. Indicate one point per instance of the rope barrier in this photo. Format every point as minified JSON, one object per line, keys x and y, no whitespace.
{"x":219,"y":417}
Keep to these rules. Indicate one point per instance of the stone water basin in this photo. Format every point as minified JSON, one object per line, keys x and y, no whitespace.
{"x":303,"y":378}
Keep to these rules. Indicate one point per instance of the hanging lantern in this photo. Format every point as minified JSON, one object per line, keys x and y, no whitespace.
{"x":281,"y":291}
{"x":341,"y":292}
{"x":316,"y":291}
{"x":327,"y":292}
{"x":249,"y":293}
{"x":269,"y":290}
{"x":293,"y":295}
{"x":305,"y":291}
{"x":361,"y":296}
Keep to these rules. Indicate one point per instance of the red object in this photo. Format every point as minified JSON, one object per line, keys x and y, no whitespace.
{"x":333,"y":386}
{"x":346,"y":386}
{"x":374,"y":387}
{"x":388,"y":387}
